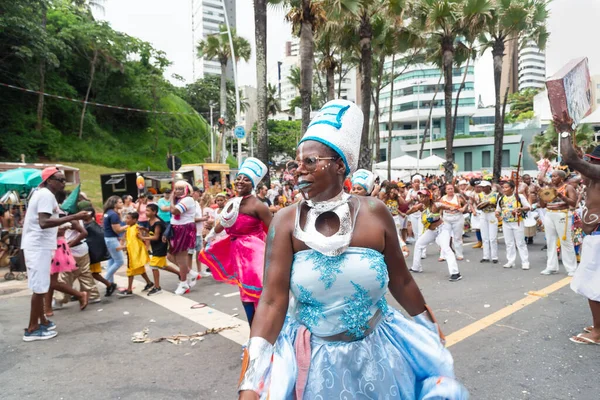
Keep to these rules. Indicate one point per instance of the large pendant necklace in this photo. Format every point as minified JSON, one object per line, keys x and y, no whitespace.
{"x":335,"y":244}
{"x":230,"y":212}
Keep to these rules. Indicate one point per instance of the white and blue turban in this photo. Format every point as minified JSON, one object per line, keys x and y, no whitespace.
{"x":338,"y":125}
{"x":254,"y":169}
{"x":364,"y":178}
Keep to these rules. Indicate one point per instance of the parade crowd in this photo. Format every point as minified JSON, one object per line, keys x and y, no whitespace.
{"x":334,"y":237}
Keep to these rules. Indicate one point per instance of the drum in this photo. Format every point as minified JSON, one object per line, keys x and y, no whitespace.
{"x":547,"y":194}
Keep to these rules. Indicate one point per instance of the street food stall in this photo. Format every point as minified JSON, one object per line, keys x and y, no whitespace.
{"x":211,"y":177}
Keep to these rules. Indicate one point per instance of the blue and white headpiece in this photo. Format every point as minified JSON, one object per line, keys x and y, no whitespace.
{"x":254,"y":169}
{"x":364,"y":178}
{"x":338,"y":125}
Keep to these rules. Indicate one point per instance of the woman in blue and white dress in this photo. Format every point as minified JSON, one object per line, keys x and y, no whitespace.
{"x":339,"y":254}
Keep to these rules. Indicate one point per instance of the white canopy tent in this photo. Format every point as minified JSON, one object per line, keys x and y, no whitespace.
{"x":431,"y":162}
{"x":402,"y":162}
{"x":396,"y":174}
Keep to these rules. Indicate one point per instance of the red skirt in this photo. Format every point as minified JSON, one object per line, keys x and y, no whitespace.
{"x":184,"y":238}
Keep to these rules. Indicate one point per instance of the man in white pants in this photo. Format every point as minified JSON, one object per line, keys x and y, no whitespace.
{"x":510,"y":209}
{"x":436,"y":230}
{"x":557,"y":224}
{"x":488,"y":222}
{"x":415,"y":218}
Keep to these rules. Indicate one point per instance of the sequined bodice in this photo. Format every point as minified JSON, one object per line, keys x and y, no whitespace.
{"x":336,"y":294}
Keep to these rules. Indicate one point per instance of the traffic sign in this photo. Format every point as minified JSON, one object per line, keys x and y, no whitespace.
{"x":173,"y":163}
{"x":240,"y":132}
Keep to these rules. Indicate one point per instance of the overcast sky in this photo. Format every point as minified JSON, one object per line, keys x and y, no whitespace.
{"x":573,"y":27}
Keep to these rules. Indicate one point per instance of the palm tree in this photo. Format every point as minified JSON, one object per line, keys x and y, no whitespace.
{"x":545,"y":145}
{"x":510,"y":20}
{"x":273,"y":106}
{"x":446,"y":21}
{"x":294,"y":77}
{"x":260,"y":31}
{"x":216,"y":47}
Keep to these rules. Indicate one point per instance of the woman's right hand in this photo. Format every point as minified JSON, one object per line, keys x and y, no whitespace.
{"x":248,"y":395}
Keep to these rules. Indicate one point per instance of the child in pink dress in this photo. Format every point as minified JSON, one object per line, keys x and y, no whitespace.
{"x":63,"y":261}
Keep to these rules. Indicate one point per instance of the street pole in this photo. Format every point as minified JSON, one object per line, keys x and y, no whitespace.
{"x":212,"y":145}
{"x":418,"y":124}
{"x":431,"y":134}
{"x":235,"y":82}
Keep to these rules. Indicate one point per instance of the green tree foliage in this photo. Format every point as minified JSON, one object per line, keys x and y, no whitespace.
{"x":545,"y":145}
{"x":283,"y":137}
{"x":128,"y":73}
{"x":521,"y":103}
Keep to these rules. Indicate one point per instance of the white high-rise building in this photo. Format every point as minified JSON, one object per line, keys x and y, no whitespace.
{"x":208,"y":15}
{"x":347,"y":90}
{"x":413,"y":95}
{"x":532,"y":67}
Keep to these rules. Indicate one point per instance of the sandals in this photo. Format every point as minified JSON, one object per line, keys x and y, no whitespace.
{"x":588,"y":329}
{"x":580,"y":339}
{"x":83,"y":301}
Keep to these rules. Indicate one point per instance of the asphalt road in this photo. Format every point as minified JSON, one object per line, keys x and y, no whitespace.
{"x":506,"y":344}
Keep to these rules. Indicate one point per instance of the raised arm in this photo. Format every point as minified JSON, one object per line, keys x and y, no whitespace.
{"x":572,"y":159}
{"x":47,"y":221}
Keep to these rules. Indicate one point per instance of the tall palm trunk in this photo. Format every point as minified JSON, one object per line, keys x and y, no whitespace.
{"x":222,"y":111}
{"x":87,"y":93}
{"x":40,"y":106}
{"x":462,"y":85}
{"x":306,"y":62}
{"x":376,"y":110}
{"x":428,"y":127}
{"x":447,"y":60}
{"x":389,"y":147}
{"x":330,"y":81}
{"x":340,"y":76}
{"x":498,"y":54}
{"x":260,"y":30}
{"x":366,"y":61}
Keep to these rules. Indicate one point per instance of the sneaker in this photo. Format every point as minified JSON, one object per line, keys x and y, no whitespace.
{"x":192,"y":277}
{"x":508,"y":265}
{"x":571,"y":274}
{"x":95,"y":301}
{"x":495,"y":261}
{"x":56,"y":305}
{"x":545,"y":247}
{"x":148,"y":287}
{"x":478,"y":245}
{"x":484,"y":260}
{"x":124,"y":294}
{"x":455,"y":277}
{"x":182,"y":288}
{"x":39,"y":334}
{"x":111,"y":289}
{"x":415,"y":270}
{"x":548,"y":272}
{"x":525,"y":266}
{"x":206,"y":274}
{"x":155,"y":290}
{"x":50,"y":326}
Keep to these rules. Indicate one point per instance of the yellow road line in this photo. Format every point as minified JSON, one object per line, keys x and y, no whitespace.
{"x":470,"y":330}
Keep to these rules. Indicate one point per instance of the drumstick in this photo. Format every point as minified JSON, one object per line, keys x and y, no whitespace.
{"x":566,"y":225}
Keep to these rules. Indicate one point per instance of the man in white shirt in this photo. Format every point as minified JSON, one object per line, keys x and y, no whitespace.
{"x":39,"y":243}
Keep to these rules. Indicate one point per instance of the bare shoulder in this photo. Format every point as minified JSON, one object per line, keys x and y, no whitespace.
{"x":285,"y":218}
{"x":372,"y":205}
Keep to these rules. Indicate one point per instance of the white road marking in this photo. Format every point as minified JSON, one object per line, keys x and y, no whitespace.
{"x":231,"y":294}
{"x":207,"y":316}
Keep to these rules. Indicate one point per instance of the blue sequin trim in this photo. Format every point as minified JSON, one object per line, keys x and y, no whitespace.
{"x":310,"y":310}
{"x":328,"y":266}
{"x":357,"y":313}
{"x":377,"y":264}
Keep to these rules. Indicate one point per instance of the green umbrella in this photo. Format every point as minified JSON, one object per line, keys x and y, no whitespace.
{"x":21,"y":177}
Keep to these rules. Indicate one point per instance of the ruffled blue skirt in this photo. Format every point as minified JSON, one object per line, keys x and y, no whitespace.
{"x":400,"y":359}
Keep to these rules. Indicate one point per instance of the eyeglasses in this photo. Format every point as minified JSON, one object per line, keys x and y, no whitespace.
{"x":61,"y":180}
{"x":310,"y":163}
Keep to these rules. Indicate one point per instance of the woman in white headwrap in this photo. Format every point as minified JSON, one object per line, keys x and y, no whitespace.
{"x":339,"y":254}
{"x":238,"y":257}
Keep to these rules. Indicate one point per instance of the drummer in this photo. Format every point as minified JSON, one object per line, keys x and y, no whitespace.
{"x":557,"y":200}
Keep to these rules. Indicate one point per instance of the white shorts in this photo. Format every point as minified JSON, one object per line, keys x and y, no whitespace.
{"x":38,"y":263}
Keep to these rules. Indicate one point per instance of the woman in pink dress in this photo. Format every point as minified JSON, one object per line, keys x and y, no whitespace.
{"x":238,"y":257}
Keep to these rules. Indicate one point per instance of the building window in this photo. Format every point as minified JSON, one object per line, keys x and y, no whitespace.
{"x":383,"y":154}
{"x":468,"y":161}
{"x":486,"y":159}
{"x":505,"y":158}
{"x":407,"y":127}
